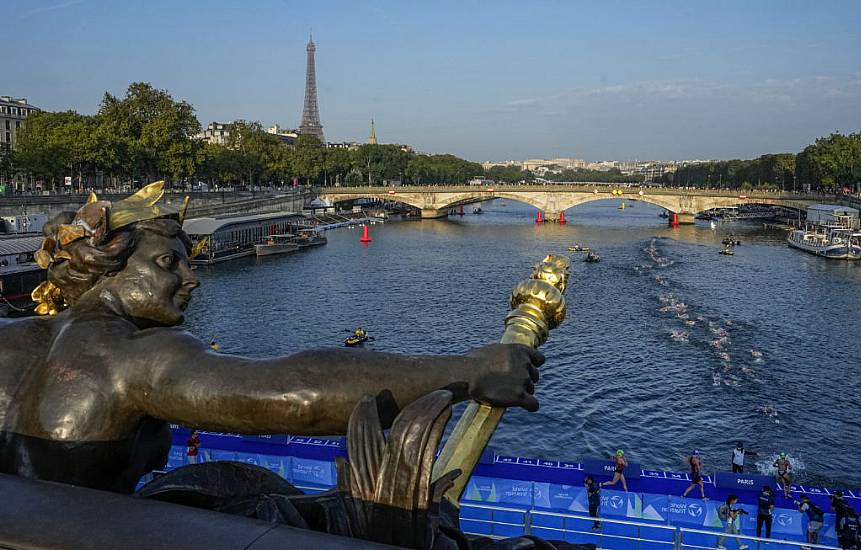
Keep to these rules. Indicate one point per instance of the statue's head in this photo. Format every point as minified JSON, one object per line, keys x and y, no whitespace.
{"x":131,"y":255}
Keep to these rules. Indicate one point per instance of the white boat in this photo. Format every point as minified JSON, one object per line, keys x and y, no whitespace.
{"x":309,"y":237}
{"x":828,"y":242}
{"x":830,"y":232}
{"x":276,"y":244}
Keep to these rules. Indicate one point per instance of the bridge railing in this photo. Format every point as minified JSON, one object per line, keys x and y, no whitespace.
{"x":589,"y":187}
{"x":501,"y":522}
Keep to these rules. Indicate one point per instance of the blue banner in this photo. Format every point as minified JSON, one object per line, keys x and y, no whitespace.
{"x":621,"y":504}
{"x":607,"y":468}
{"x":656,"y":507}
{"x":552,"y":496}
{"x":692,"y":512}
{"x":277,"y":439}
{"x":741,"y":482}
{"x":499,"y":491}
{"x":314,"y":472}
{"x":787,"y":522}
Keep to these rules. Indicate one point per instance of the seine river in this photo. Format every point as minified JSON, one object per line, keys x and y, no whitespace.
{"x":668,"y":345}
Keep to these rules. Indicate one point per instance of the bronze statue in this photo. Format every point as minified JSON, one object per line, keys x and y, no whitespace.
{"x":86,"y":392}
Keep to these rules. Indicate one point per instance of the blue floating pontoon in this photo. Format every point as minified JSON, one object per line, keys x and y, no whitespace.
{"x":504,"y":490}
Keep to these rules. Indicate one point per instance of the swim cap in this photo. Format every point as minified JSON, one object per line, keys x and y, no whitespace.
{"x":696,"y":451}
{"x":782,"y":455}
{"x":620,"y":452}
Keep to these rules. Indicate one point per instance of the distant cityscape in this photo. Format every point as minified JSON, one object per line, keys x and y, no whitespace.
{"x":649,"y":170}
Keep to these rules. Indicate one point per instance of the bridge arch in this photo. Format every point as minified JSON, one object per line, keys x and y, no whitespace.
{"x":406,"y":199}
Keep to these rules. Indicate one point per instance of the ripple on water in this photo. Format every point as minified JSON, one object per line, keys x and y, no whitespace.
{"x":614,"y":373}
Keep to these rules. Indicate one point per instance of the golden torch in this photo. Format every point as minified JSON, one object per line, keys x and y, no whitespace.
{"x":537,"y":306}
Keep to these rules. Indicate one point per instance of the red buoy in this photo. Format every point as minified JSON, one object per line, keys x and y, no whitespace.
{"x":461,"y":211}
{"x":675,"y":222}
{"x":365,"y":237}
{"x":538,"y":218}
{"x":562,"y":218}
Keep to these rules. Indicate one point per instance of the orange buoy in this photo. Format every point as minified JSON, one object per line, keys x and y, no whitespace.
{"x":365,"y":237}
{"x":675,"y":221}
{"x":538,"y":218}
{"x":562,"y":218}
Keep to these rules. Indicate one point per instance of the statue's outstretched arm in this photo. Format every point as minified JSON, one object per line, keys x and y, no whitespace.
{"x":313,"y":392}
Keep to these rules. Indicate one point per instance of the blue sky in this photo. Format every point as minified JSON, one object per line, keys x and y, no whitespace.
{"x":483,"y":80}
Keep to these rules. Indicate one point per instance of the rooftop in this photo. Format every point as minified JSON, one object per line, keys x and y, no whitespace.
{"x":208,"y":226}
{"x":19,"y":245}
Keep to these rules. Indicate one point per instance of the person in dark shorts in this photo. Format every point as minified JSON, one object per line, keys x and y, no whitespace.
{"x":784,"y":480}
{"x":738,"y":458}
{"x":593,"y":491}
{"x":765,"y":511}
{"x":849,"y":530}
{"x":620,"y":463}
{"x":815,"y":518}
{"x":696,"y":464}
{"x":192,"y":447}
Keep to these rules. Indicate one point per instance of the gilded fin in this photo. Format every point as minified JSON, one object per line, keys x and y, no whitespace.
{"x":183,"y":209}
{"x":198,"y":248}
{"x":92,"y":198}
{"x":148,"y":195}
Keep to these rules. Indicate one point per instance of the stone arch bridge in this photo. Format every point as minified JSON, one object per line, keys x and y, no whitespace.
{"x":436,"y":201}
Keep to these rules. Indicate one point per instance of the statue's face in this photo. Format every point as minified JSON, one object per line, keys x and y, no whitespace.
{"x":156,"y":285}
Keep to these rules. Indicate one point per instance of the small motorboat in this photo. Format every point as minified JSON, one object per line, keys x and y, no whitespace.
{"x":578,"y":248}
{"x":309,"y":237}
{"x":730,"y":241}
{"x":592,"y":257}
{"x":276,"y":244}
{"x":727,"y":250}
{"x":477,"y":210}
{"x":353,"y":341}
{"x":663,"y":214}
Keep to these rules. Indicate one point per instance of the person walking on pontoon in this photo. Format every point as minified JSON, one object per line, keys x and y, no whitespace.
{"x":696,"y":464}
{"x":620,"y":464}
{"x":593,"y":492}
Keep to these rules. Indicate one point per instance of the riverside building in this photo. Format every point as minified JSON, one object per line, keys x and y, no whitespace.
{"x":13,"y":113}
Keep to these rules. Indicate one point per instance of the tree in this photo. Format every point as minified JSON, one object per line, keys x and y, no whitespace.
{"x":153,"y":134}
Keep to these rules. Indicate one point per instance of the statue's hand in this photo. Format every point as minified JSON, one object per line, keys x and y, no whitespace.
{"x":505,"y":375}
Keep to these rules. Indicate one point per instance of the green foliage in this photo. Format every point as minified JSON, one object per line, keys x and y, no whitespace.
{"x":614,"y":175}
{"x":765,"y":172}
{"x":833,"y":161}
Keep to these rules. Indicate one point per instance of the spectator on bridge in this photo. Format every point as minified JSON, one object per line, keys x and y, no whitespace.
{"x":815,"y":518}
{"x":765,"y":511}
{"x":593,"y":491}
{"x":619,"y":472}
{"x":696,"y":464}
{"x":784,"y":480}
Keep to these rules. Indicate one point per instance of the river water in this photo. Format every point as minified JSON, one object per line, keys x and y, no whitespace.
{"x":668,"y":346}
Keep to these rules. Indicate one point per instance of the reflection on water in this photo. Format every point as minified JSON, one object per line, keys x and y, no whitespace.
{"x":668,"y":346}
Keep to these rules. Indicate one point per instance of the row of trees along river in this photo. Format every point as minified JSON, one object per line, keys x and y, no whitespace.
{"x":148,"y":135}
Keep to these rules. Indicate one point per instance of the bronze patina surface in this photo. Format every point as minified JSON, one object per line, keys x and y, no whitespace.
{"x":86,"y":394}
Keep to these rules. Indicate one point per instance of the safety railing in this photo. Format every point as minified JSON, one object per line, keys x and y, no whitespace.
{"x":602,"y":532}
{"x":501,"y":522}
{"x":496,"y":522}
{"x":700,"y":539}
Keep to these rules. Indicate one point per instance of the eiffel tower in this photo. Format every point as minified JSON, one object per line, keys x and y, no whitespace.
{"x":310,"y":112}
